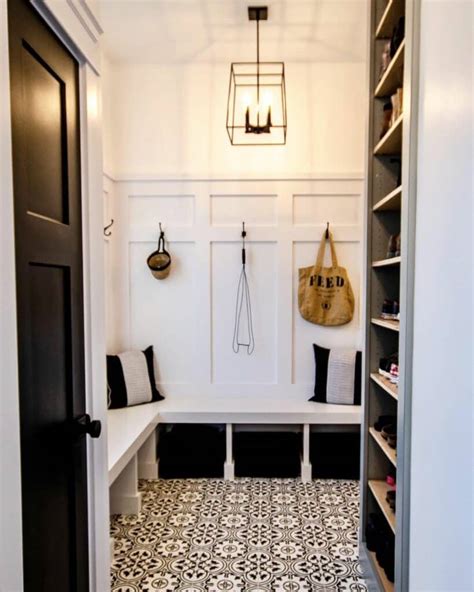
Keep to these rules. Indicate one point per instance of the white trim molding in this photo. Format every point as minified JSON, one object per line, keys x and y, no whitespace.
{"x":81,"y":30}
{"x":163,"y":178}
{"x":11,"y":554}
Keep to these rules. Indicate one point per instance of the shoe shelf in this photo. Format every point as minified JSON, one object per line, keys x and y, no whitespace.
{"x":391,"y":143}
{"x":387,"y":262}
{"x":395,"y":9}
{"x":391,"y":202}
{"x":390,"y":195}
{"x":379,"y":490}
{"x":386,"y":324}
{"x":393,"y":76}
{"x":385,"y":384}
{"x":385,"y":582}
{"x":389,"y":452}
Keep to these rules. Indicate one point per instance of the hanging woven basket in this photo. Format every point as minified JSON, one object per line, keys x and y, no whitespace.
{"x":159,"y":261}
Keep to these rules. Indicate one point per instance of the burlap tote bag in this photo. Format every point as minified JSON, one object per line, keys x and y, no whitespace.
{"x":325,"y":294}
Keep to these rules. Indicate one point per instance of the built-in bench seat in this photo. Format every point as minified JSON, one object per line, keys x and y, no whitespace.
{"x":132,"y":435}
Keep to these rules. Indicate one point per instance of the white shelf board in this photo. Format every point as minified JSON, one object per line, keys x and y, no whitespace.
{"x":394,"y":10}
{"x":392,"y":202}
{"x":242,"y":409}
{"x":386,"y":324}
{"x":389,"y":452}
{"x":390,"y":262}
{"x":393,"y":75}
{"x":391,"y":143}
{"x":379,"y":490}
{"x":128,"y":428}
{"x":385,"y":384}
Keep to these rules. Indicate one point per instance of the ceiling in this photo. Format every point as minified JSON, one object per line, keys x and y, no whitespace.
{"x":218,"y":31}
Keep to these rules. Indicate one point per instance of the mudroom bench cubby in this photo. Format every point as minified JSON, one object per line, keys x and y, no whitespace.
{"x":132,"y":435}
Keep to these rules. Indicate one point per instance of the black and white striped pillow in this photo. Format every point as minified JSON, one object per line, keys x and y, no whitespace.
{"x":131,"y":379}
{"x":338,"y":376}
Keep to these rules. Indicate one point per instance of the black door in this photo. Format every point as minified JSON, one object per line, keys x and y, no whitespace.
{"x":47,"y":193}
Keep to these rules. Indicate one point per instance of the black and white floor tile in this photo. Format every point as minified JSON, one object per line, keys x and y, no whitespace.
{"x":256,"y":535}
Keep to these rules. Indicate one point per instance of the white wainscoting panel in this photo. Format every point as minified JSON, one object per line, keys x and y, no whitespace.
{"x":164,"y":313}
{"x":304,"y":333}
{"x":232,"y":210}
{"x":241,"y":368}
{"x":189,"y":317}
{"x":309,"y":210}
{"x":172,"y":210}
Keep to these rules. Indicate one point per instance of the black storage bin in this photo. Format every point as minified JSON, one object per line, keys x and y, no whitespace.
{"x":191,"y":451}
{"x":335,"y":455}
{"x":267,"y":454}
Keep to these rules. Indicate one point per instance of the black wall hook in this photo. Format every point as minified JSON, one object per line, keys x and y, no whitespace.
{"x":107,"y":231}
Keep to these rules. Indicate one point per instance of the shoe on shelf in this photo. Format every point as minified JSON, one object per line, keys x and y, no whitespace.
{"x":380,"y":540}
{"x":393,"y":246}
{"x":397,"y":36}
{"x":398,"y":242}
{"x":385,"y":365}
{"x":374,"y":531}
{"x":387,"y":119}
{"x":388,"y":557}
{"x":390,"y":310}
{"x":389,"y":433}
{"x":391,"y":478}
{"x":391,"y":499}
{"x":394,"y":373}
{"x":384,"y":420}
{"x":392,"y":441}
{"x":385,"y":58}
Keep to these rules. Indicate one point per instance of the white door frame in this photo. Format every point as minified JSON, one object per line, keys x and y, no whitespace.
{"x":11,"y":564}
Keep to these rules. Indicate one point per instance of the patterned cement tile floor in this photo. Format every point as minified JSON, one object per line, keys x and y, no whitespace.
{"x":258,"y":535}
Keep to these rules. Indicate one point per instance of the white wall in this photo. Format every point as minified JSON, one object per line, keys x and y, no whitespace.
{"x":168,"y":153}
{"x":169,"y":121}
{"x":189,"y":316}
{"x":441,"y":544}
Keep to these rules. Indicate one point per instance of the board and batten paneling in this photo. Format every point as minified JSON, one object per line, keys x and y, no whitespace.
{"x":189,"y":317}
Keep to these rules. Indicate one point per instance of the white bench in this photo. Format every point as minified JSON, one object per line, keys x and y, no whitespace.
{"x":132,"y":439}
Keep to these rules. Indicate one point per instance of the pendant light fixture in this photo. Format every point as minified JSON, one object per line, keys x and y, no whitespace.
{"x":256,"y":105}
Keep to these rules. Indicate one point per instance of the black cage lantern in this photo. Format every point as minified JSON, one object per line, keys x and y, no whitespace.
{"x":256,"y":105}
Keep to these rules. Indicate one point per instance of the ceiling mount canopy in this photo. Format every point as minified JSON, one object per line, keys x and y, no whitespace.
{"x":256,"y":104}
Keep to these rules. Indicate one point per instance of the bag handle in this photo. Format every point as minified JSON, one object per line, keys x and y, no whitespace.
{"x":327,"y":235}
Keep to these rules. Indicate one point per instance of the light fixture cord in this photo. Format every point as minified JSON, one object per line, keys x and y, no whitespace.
{"x":258,"y":70}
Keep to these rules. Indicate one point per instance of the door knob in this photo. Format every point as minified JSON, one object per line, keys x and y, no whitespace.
{"x":85,"y":425}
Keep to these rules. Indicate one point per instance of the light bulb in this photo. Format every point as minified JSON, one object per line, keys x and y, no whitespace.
{"x":246,"y":99}
{"x":267,"y":99}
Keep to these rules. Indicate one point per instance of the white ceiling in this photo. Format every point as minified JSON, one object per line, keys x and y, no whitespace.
{"x":218,"y":31}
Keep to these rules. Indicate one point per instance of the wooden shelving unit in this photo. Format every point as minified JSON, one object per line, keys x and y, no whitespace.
{"x":390,"y":205}
{"x":385,"y":384}
{"x":379,"y":491}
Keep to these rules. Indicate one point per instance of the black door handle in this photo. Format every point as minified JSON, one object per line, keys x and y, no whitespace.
{"x":83,"y":425}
